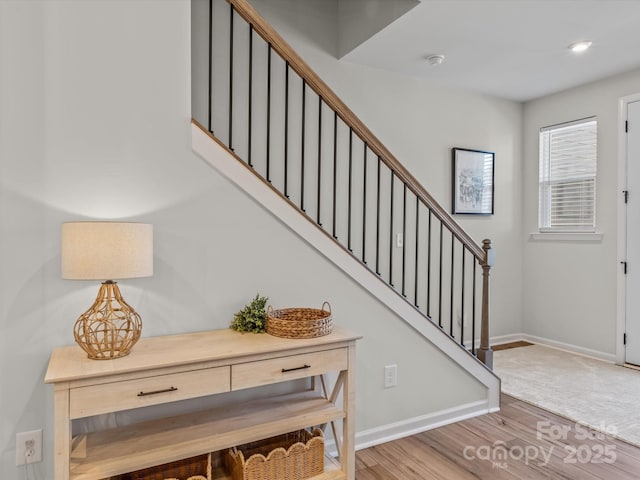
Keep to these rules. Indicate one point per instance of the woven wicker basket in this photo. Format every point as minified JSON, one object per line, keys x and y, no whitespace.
{"x":299,"y":322}
{"x":292,"y":456}
{"x":194,"y":468}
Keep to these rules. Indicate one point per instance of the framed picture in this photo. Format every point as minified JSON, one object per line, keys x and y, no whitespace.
{"x":472,"y":181}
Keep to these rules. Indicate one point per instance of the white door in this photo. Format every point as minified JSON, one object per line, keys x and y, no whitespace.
{"x":632,"y":327}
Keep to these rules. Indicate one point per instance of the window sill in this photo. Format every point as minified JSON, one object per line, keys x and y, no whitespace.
{"x":567,"y":236}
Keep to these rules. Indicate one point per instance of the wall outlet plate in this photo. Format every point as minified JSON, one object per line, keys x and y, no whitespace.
{"x":28,"y":447}
{"x":390,"y":376}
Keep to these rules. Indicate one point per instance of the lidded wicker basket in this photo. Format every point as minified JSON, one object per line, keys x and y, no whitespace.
{"x":300,"y":322}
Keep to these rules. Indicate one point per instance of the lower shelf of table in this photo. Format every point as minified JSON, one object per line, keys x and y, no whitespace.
{"x":112,"y":452}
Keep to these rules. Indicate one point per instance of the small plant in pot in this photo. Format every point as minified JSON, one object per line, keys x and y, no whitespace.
{"x":252,"y":318}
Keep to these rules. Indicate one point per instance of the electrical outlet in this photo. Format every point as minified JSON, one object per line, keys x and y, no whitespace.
{"x":390,"y":376}
{"x":28,"y":447}
{"x":399,"y":240}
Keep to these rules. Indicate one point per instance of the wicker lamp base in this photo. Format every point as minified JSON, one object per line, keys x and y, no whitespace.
{"x":110,"y":327}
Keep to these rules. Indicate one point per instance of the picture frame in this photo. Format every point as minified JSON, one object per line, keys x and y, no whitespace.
{"x":473,"y":181}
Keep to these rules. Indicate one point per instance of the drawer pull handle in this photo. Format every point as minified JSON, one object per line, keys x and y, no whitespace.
{"x":170,"y":389}
{"x":285,"y":370}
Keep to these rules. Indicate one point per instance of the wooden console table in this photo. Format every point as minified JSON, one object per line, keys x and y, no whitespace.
{"x":178,"y":367}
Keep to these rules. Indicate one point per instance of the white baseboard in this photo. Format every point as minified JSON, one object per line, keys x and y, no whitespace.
{"x":413,"y":426}
{"x":567,"y":347}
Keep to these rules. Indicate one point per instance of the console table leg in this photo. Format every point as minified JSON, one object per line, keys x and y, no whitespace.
{"x":347,"y":455}
{"x":62,"y":429}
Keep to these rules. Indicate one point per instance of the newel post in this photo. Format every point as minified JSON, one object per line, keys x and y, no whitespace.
{"x":485,"y":354}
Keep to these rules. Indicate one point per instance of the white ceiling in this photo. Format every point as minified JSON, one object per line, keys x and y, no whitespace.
{"x":514,"y":49}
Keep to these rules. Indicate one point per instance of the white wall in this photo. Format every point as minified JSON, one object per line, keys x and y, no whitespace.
{"x":570,"y":287}
{"x":94,"y":123}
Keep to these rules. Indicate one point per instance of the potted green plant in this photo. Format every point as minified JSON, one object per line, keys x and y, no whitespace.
{"x":252,"y":318}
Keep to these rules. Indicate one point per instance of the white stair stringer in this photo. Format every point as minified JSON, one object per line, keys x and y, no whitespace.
{"x":240,"y":174}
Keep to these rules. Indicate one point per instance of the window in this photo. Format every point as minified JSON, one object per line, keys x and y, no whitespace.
{"x":568,"y":177}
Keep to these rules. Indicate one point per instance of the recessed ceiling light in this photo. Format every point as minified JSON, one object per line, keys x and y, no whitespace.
{"x":435,"y":60}
{"x":579,"y":46}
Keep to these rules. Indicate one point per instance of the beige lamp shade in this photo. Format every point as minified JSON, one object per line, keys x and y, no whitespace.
{"x":106,"y":250}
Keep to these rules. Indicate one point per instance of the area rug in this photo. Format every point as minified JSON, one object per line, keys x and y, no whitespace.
{"x":604,"y":396}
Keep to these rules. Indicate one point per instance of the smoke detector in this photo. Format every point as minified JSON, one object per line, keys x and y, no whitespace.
{"x":435,"y":60}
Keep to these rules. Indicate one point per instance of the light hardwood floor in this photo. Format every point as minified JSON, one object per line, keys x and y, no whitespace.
{"x":507,"y":346}
{"x":537,"y":444}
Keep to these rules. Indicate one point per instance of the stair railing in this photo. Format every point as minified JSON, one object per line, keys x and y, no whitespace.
{"x":269,"y":109}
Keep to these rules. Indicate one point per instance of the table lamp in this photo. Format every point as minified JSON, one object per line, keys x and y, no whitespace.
{"x":107,"y":251}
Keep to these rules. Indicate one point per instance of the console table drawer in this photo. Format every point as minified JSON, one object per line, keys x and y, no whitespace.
{"x":265,"y":372}
{"x":143,"y":392}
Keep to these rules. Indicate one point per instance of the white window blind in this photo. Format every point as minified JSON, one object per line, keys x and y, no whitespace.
{"x":568,"y":177}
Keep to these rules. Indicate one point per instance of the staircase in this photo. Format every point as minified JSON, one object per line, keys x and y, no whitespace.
{"x":273,"y":127}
